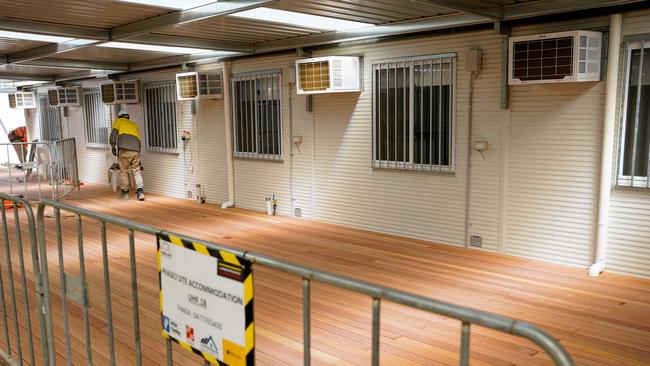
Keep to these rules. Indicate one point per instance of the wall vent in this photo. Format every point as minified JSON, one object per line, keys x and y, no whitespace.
{"x":199,"y":85}
{"x":476,"y":241}
{"x":561,"y":57}
{"x":333,"y":74}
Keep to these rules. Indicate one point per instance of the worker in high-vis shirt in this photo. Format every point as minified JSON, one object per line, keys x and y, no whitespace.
{"x":18,"y":137}
{"x":125,"y":144}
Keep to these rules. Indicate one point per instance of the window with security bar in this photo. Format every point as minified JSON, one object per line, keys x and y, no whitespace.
{"x":257,"y":116}
{"x":160,"y":117}
{"x":413,"y":104}
{"x":49,"y":119}
{"x":97,"y":116}
{"x":634,"y":151}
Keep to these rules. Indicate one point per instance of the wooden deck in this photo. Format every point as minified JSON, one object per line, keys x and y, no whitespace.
{"x":602,"y":321}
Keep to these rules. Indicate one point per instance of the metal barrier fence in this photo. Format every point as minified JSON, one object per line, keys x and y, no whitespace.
{"x":41,"y":166}
{"x":20,"y":340}
{"x":46,"y":291}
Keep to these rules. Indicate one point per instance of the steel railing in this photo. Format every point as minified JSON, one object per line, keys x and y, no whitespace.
{"x":466,"y":316}
{"x":49,"y":163}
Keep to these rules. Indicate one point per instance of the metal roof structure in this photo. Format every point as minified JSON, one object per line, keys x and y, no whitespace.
{"x":87,"y":24}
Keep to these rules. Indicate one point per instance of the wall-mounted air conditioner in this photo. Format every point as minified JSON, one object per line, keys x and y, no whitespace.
{"x":332,"y":74}
{"x":25,"y":100}
{"x":561,"y":57}
{"x":199,"y":85}
{"x":121,"y":92}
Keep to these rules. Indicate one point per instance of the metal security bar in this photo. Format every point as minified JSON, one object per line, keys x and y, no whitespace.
{"x":257,"y":115}
{"x":21,"y":298}
{"x":634,"y":148}
{"x":49,"y":118}
{"x":97,"y":118}
{"x":160,"y":116}
{"x":413,"y":113}
{"x":128,"y":228}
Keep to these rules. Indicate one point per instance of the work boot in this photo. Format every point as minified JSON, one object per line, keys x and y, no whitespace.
{"x":140,"y":194}
{"x":124,"y":195}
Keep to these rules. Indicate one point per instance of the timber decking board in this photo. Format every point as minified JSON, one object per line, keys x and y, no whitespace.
{"x":601,"y":321}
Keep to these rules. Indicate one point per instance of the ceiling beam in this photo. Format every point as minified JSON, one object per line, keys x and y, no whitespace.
{"x":76,"y":64}
{"x":411,"y":26}
{"x":48,"y":50}
{"x":210,"y":10}
{"x":53,"y":29}
{"x":25,"y":77}
{"x":184,"y":59}
{"x":549,"y":7}
{"x":476,"y":7}
{"x":209,"y":44}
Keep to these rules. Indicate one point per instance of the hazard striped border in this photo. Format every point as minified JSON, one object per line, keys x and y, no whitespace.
{"x":225,"y":257}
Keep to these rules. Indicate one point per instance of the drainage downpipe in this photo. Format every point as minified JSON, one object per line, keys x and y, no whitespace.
{"x":228,"y":131}
{"x":607,"y":158}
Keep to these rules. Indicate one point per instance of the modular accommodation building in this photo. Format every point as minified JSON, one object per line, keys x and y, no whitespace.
{"x":517,"y":168}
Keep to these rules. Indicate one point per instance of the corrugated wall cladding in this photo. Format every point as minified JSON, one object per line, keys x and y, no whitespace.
{"x":416,"y":204}
{"x":629,"y":230}
{"x":553,"y":171}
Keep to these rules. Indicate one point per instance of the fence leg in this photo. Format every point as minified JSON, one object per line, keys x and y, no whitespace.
{"x":464,"y":344}
{"x":107,"y":294}
{"x":306,"y":321}
{"x":21,"y":261}
{"x":64,"y":303}
{"x":134,"y":298}
{"x":10,"y":280}
{"x":376,"y":305}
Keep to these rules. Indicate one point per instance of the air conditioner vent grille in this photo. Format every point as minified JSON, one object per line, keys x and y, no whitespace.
{"x":12,"y":101}
{"x":187,"y":88}
{"x":53,"y":97}
{"x":315,"y":76}
{"x":108,"y":93}
{"x":545,"y":59}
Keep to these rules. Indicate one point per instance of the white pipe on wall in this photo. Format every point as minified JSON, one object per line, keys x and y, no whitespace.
{"x":228,"y":131}
{"x":607,"y":158}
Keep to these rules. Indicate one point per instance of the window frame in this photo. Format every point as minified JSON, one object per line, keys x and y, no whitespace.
{"x":449,"y":58}
{"x":108,"y":113}
{"x":256,"y":155}
{"x":621,"y":180}
{"x":171,"y":94}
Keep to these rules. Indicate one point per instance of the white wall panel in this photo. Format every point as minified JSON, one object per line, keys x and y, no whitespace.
{"x":553,"y":171}
{"x":209,"y":149}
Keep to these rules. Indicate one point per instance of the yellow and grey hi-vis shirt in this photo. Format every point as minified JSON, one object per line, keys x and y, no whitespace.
{"x":125,"y":134}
